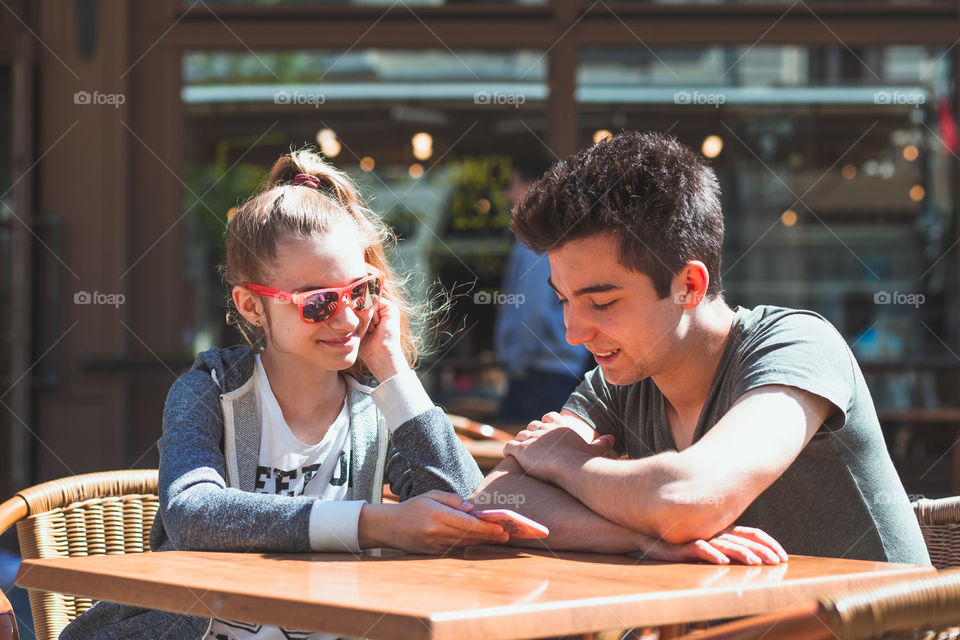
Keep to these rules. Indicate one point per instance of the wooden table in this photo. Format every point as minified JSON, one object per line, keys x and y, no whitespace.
{"x":484,"y":592}
{"x":487,"y":453}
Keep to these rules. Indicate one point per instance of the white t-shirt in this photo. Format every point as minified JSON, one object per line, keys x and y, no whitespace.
{"x":289,"y":467}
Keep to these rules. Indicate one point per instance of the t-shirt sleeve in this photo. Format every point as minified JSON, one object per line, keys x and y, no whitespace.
{"x":801,"y":350}
{"x":598,"y":403}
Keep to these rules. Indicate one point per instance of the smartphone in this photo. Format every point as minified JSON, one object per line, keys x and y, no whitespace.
{"x":516,"y":525}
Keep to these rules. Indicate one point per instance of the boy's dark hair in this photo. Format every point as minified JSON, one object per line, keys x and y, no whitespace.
{"x":660,"y":197}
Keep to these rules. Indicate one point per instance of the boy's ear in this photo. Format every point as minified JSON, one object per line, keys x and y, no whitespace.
{"x":690,"y":285}
{"x":249,"y":305}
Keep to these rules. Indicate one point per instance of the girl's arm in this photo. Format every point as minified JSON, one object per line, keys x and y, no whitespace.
{"x":425,"y":452}
{"x":200,"y":512}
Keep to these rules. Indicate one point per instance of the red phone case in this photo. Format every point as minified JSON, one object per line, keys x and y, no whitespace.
{"x":516,"y":525}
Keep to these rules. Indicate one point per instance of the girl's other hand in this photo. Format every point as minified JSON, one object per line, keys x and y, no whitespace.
{"x":432,"y":523}
{"x":380,"y":347}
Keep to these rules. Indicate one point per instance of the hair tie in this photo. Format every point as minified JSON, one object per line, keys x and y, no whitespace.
{"x":308,"y":180}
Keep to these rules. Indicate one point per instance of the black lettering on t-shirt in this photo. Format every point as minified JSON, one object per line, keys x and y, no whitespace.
{"x":308,"y":472}
{"x":349,"y":470}
{"x":282,"y":484}
{"x":263,"y":474}
{"x":340,"y":473}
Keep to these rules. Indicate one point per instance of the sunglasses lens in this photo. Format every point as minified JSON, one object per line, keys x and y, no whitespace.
{"x":365,"y":295}
{"x":320,"y":307}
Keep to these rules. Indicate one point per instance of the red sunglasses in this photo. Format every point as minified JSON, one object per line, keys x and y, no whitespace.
{"x":321,"y":305}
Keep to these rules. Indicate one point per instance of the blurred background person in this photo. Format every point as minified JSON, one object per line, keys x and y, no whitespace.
{"x":530,"y":337}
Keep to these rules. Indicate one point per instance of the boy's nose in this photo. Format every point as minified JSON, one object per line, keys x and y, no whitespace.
{"x":577,"y":331}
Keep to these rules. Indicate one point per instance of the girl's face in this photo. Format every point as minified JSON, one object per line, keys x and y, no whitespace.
{"x":332,"y":260}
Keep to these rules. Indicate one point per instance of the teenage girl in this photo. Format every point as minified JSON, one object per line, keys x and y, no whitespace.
{"x":276,"y":446}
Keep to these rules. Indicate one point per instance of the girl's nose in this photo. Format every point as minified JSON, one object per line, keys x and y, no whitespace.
{"x":346,"y":315}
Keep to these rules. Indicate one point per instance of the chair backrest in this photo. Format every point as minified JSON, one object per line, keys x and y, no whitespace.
{"x":102,"y":513}
{"x":940,"y":523}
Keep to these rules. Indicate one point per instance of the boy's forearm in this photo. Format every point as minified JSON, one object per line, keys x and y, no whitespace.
{"x":573,"y":526}
{"x":656,"y":496}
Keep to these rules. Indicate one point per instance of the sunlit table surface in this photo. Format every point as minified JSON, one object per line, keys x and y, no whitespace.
{"x":483,"y":592}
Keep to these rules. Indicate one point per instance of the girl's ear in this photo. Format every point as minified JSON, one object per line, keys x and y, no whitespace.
{"x":249,"y":305}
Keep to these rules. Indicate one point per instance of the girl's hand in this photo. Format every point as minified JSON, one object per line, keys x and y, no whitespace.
{"x":380,"y":347}
{"x":433,"y":523}
{"x":743,"y":545}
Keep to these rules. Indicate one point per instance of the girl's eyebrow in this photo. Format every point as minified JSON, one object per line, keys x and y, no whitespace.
{"x":315,"y":288}
{"x":594,"y":288}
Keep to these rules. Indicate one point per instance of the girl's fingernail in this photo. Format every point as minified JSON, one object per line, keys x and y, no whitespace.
{"x":466,"y":505}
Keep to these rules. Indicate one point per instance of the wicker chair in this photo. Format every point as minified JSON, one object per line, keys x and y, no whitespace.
{"x":940,"y":524}
{"x":916,"y":608}
{"x":91,"y":514}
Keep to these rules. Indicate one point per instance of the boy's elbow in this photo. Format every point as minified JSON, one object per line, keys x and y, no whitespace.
{"x":687,"y":530}
{"x":683,"y":518}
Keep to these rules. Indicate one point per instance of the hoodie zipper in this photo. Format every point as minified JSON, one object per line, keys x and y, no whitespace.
{"x":382,"y":436}
{"x":226,"y":466}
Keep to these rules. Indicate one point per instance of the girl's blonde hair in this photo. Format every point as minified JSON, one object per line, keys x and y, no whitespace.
{"x":283,"y":209}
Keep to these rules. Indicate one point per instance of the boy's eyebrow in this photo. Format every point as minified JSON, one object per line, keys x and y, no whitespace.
{"x":594,"y":288}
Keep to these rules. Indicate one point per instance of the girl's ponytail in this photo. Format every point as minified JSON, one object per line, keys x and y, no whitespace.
{"x":326,"y":179}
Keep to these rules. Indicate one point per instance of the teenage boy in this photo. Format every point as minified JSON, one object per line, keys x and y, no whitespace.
{"x":719,"y":416}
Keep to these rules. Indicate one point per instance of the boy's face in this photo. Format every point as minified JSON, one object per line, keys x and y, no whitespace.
{"x":613,"y":311}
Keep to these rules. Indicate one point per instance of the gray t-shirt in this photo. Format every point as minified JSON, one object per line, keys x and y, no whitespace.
{"x":842,"y":496}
